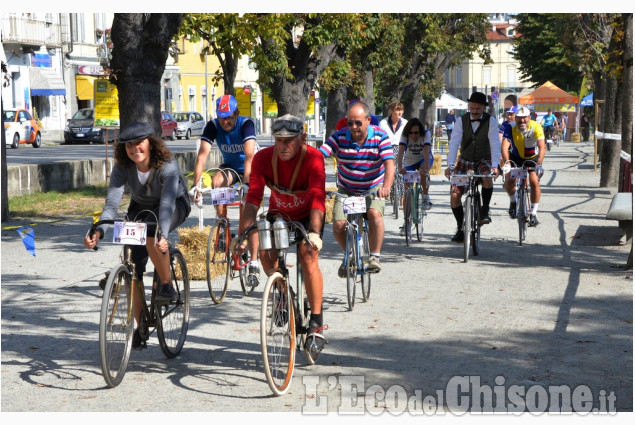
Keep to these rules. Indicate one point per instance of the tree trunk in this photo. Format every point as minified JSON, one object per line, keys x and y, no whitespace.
{"x":369,"y":97}
{"x":5,"y":194}
{"x":141,"y":42}
{"x":335,"y":109}
{"x":627,"y":95}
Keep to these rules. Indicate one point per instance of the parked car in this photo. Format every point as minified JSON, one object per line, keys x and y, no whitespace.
{"x":168,"y":125}
{"x":81,"y":128}
{"x":190,"y":124}
{"x":20,"y":127}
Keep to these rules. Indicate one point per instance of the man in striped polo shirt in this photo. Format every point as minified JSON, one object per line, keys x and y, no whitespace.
{"x":365,"y":162}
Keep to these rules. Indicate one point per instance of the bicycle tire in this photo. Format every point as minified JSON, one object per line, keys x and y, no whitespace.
{"x":476,"y":224}
{"x":351,"y":267}
{"x":407,"y":216}
{"x":277,"y":334}
{"x":173,"y":318}
{"x":467,"y":227}
{"x":116,"y":325}
{"x":522,"y":215}
{"x":218,"y":261}
{"x":243,"y":274}
{"x":365,"y":254}
{"x":421,"y":214}
{"x":396,"y":197}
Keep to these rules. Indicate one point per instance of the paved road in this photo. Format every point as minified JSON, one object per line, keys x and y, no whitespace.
{"x":555,"y":312}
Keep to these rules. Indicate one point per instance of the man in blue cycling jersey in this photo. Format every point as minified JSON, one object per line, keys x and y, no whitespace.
{"x":548,"y":122}
{"x":235,"y":136}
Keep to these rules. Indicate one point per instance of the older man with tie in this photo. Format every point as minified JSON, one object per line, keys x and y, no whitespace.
{"x":476,"y":134}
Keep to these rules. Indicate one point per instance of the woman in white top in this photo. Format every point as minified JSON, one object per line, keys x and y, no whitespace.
{"x":416,"y":143}
{"x":393,"y":125}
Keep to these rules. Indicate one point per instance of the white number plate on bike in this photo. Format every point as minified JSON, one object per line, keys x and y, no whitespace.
{"x":519,"y":173}
{"x":129,"y":233}
{"x":412,"y":177}
{"x":223,"y":195}
{"x":460,"y":180}
{"x":354,"y":205}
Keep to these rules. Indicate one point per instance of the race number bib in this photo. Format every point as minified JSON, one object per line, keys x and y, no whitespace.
{"x":354,"y":205}
{"x":223,"y":195}
{"x":519,"y":173}
{"x":412,"y":177}
{"x":459,"y":180}
{"x":129,"y":233}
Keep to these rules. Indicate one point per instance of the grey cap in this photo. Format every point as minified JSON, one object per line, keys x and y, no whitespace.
{"x":287,"y":126}
{"x":136,"y":131}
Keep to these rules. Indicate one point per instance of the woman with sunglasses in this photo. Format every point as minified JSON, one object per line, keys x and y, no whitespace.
{"x":416,"y":144}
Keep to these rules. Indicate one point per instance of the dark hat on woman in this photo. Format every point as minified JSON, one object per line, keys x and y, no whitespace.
{"x":478,"y":97}
{"x":136,"y":131}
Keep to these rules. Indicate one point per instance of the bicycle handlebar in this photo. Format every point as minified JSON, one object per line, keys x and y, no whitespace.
{"x":95,"y":225}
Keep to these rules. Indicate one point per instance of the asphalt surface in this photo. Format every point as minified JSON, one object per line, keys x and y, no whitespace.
{"x":555,"y":312}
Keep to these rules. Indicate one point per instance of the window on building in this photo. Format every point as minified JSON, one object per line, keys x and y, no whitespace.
{"x":487,"y":75}
{"x":511,"y":77}
{"x":459,"y":76}
{"x":510,"y":32}
{"x":78,"y":27}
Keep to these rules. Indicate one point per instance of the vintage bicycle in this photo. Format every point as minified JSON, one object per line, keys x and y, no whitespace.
{"x":121,"y":289}
{"x":220,"y":265}
{"x":523,"y":194}
{"x":414,"y":205}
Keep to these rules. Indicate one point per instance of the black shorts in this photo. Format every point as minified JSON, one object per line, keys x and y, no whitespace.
{"x":523,"y":162}
{"x":235,"y":175}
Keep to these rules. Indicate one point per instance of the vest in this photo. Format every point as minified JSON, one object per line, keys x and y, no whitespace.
{"x":475,"y":146}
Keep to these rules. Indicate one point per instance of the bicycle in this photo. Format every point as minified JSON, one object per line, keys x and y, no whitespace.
{"x":284,"y":313}
{"x":471,"y":211}
{"x":549,"y":136}
{"x":357,"y":250}
{"x":397,"y":191}
{"x":116,"y":320}
{"x":523,"y":195}
{"x":220,"y":265}
{"x":414,"y":205}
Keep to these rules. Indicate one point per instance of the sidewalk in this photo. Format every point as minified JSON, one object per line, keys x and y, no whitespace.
{"x":555,"y":312}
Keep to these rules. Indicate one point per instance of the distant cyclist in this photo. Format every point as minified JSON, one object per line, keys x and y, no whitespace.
{"x":416,"y":144}
{"x":524,"y":142}
{"x":549,"y":124}
{"x":235,"y":137}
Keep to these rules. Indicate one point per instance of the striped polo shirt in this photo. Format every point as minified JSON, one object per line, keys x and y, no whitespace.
{"x":359,"y":168}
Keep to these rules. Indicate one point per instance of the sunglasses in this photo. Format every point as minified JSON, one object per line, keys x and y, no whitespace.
{"x":414,"y":132}
{"x":293,"y":126}
{"x":354,"y":123}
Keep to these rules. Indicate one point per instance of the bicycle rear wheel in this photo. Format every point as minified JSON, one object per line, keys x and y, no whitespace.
{"x":395,"y":197}
{"x":408,"y":210}
{"x":218,"y":264}
{"x":522,"y":215}
{"x":476,"y":224}
{"x":173,"y":318}
{"x":467,"y":227}
{"x":351,"y":269}
{"x":365,"y":255}
{"x":277,"y":334}
{"x":116,"y":323}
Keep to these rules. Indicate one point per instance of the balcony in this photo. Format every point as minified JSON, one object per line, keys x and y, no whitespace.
{"x":32,"y":32}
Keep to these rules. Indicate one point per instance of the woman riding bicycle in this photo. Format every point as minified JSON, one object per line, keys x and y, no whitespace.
{"x":417,"y":146}
{"x":146,"y":168}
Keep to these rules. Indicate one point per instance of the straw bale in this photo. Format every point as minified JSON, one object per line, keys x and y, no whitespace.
{"x":436,"y":165}
{"x":193,"y":245}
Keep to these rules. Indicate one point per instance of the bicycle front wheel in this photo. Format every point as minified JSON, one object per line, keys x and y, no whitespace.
{"x":351,"y":267}
{"x":218,"y":264}
{"x":365,"y":254}
{"x":408,"y":209}
{"x":476,"y":225}
{"x":395,"y":196}
{"x":277,"y":334}
{"x":173,"y":318}
{"x":116,"y":323}
{"x":467,"y":228}
{"x":523,"y":215}
{"x":421,"y":213}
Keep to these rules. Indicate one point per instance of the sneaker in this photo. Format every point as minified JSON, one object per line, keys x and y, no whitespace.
{"x":102,"y":282}
{"x":512,"y":210}
{"x":373,"y":264}
{"x":341,"y":272}
{"x":426,"y":203}
{"x":253,"y":278}
{"x":139,"y":342}
{"x":533,"y":220}
{"x":485,"y":218}
{"x":458,"y":236}
{"x":315,"y":340}
{"x":166,"y":293}
{"x":402,"y":230}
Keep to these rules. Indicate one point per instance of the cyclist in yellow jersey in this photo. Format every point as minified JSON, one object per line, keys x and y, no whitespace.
{"x":524,"y":142}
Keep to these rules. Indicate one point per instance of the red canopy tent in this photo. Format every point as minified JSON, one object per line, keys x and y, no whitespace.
{"x":550,"y":96}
